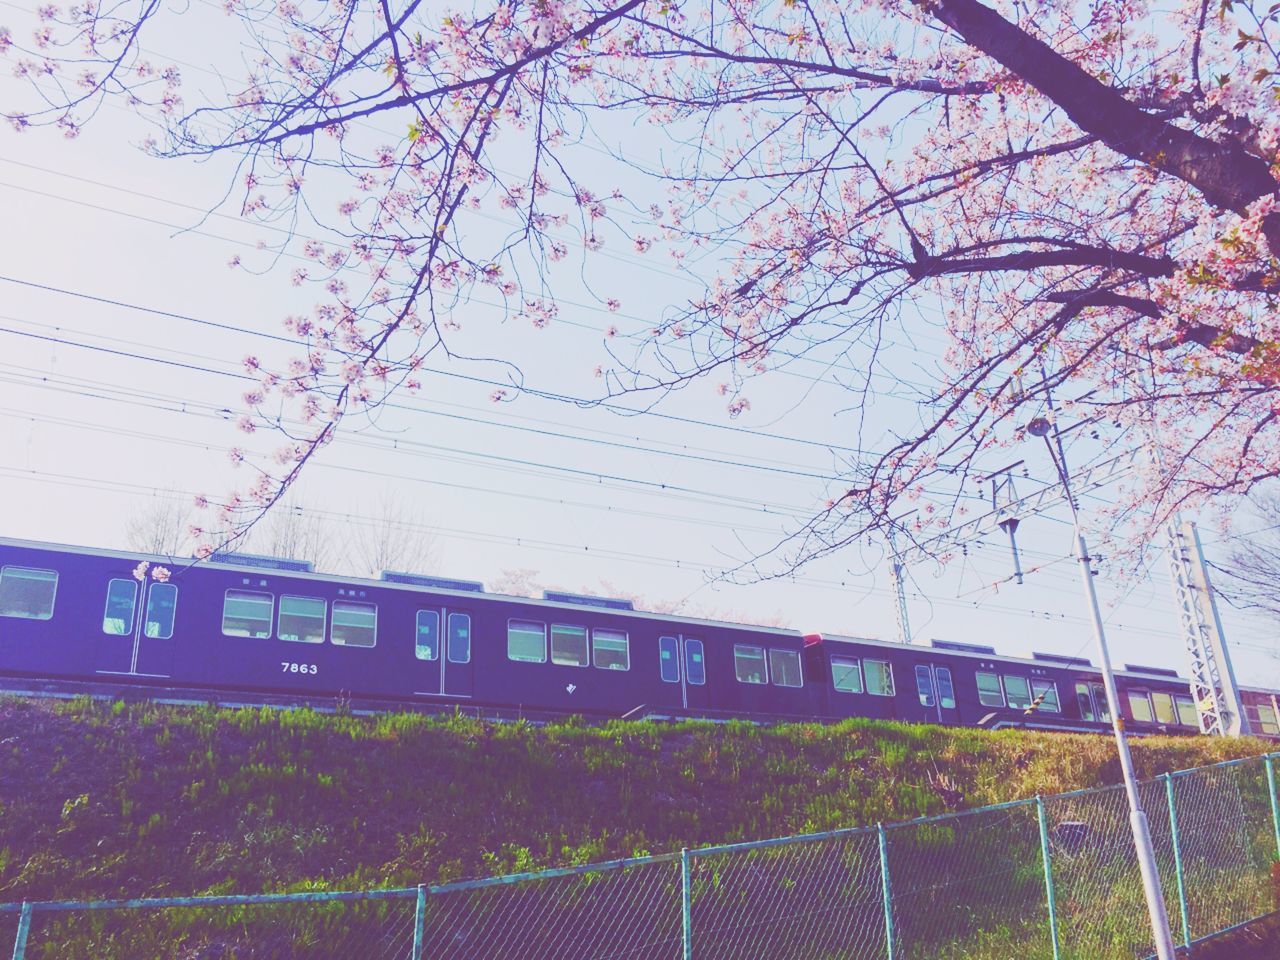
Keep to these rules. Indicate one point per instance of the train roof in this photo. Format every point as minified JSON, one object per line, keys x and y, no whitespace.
{"x":951,"y":649}
{"x":465,"y":589}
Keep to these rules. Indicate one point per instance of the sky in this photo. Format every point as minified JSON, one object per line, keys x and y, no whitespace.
{"x":123,"y":328}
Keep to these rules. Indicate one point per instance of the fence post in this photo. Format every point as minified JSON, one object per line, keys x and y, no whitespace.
{"x":420,"y":923}
{"x":1275,"y":810}
{"x":686,"y":904}
{"x":1048,"y":874}
{"x":1177,"y":860}
{"x":886,"y":889}
{"x":24,"y":927}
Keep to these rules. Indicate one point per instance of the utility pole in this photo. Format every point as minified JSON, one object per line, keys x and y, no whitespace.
{"x":1040,"y":427}
{"x":1213,"y":681}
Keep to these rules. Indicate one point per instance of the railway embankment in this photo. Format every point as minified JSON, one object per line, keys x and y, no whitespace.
{"x":101,"y":799}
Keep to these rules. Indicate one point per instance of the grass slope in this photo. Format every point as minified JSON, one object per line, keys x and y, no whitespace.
{"x":107,"y":800}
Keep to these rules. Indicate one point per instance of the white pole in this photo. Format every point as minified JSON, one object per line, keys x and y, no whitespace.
{"x":1137,"y":817}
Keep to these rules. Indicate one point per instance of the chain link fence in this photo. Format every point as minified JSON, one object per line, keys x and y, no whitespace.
{"x":1053,"y":877}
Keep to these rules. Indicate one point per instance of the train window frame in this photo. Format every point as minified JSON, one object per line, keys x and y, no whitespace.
{"x":418,"y":645}
{"x":584,"y":658}
{"x":1171,"y":708}
{"x":795,"y":659}
{"x":1181,"y":700}
{"x":610,"y":636}
{"x":1050,"y":687}
{"x":133,"y":607}
{"x":851,"y":662}
{"x":698,"y":679}
{"x":333,"y":623}
{"x":280,"y":614}
{"x":889,"y":687}
{"x":147,"y":614}
{"x":542,"y":630}
{"x":985,"y":697}
{"x":669,"y":645}
{"x":925,"y":692}
{"x":1263,"y":722}
{"x":270,"y":621}
{"x":450,"y":636}
{"x":1144,"y":697}
{"x":946,"y":700}
{"x":17,"y":571}
{"x":1018,"y":701}
{"x":752,"y":652}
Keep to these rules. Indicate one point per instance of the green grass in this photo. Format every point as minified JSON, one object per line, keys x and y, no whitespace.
{"x":112,"y":799}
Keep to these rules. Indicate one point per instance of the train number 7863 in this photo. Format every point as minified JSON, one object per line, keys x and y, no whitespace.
{"x":287,"y":666}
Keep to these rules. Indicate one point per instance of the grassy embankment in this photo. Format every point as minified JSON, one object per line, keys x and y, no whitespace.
{"x":109,"y":800}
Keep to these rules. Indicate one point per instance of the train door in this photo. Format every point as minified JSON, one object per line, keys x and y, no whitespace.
{"x":137,"y":638}
{"x":936,"y":693}
{"x":683,"y":660}
{"x":119,"y":617}
{"x":443,"y":648}
{"x":153,"y":646}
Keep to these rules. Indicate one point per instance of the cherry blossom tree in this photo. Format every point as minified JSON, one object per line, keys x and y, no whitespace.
{"x":1080,"y":199}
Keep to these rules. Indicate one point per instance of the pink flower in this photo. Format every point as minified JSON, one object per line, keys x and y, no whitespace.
{"x":160,"y":574}
{"x":204,"y":551}
{"x":245,"y":424}
{"x":140,"y":571}
{"x":201,"y":502}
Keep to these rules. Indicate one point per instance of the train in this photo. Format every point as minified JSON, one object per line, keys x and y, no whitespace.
{"x":239,"y":625}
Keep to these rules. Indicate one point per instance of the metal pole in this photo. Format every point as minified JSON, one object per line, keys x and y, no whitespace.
{"x":686,"y":904}
{"x":1137,"y":817}
{"x":1177,"y":861}
{"x":1275,"y":807}
{"x":1048,"y":875}
{"x":420,"y":923}
{"x":24,"y":927}
{"x":886,"y":890}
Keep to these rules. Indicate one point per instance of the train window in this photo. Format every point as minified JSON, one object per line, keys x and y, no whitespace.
{"x":459,"y":649}
{"x":162,"y":606}
{"x":568,"y":645}
{"x":27,"y":592}
{"x":611,"y":649}
{"x":695,"y":668}
{"x":990,"y":693}
{"x":427,"y":644}
{"x":846,"y":674}
{"x":1085,"y":702}
{"x":301,"y":619}
{"x":1017,"y":691}
{"x":1101,"y":702}
{"x":354,"y":624}
{"x":946,"y":690}
{"x":669,"y":659}
{"x":1267,"y":722}
{"x":1049,"y":690}
{"x":1187,"y":714}
{"x":1163,"y":706}
{"x":924,"y":686}
{"x":247,"y":614}
{"x":784,"y":667}
{"x":879,"y":676}
{"x":748,"y":664}
{"x":1140,"y":704}
{"x":527,"y":641}
{"x":122,"y":597}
